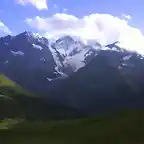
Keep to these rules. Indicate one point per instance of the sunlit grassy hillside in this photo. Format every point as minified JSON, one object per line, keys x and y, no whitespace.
{"x":4,"y":81}
{"x":126,"y":127}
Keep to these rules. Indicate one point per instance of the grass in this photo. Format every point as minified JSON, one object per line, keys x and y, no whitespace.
{"x":11,"y":89}
{"x":14,"y":99}
{"x":4,"y":81}
{"x":8,"y":123}
{"x":127,"y":127}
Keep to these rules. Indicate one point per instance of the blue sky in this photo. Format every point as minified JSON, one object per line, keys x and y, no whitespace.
{"x":103,"y":20}
{"x":13,"y":15}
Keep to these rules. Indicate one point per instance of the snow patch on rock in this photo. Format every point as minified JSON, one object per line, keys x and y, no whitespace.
{"x":37,"y":46}
{"x":17,"y":53}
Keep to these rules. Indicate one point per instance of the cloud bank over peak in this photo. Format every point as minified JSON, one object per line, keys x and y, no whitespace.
{"x":105,"y":28}
{"x":39,"y":4}
{"x":4,"y":30}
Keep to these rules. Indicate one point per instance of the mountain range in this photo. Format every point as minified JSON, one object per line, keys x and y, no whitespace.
{"x":69,"y":71}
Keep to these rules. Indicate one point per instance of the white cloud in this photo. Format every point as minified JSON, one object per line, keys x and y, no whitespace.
{"x":58,"y":22}
{"x":126,"y":16}
{"x":103,"y":27}
{"x":39,"y":4}
{"x":4,"y":30}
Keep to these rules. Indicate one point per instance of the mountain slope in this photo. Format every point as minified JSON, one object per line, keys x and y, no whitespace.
{"x":101,"y":85}
{"x":4,"y":81}
{"x":12,"y":98}
{"x":15,"y":102}
{"x":32,"y":61}
{"x":70,"y":73}
{"x":25,"y":58}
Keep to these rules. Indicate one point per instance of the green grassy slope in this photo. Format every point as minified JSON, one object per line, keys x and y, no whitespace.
{"x":127,"y":127}
{"x":15,"y":102}
{"x":10,"y":88}
{"x":13,"y":99}
{"x":4,"y":81}
{"x":17,"y":106}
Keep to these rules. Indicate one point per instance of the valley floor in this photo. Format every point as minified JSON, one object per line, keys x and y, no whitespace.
{"x":126,"y":127}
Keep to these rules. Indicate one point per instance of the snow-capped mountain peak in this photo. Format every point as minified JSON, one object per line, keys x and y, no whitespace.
{"x":61,"y":56}
{"x":27,"y":33}
{"x":65,"y":40}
